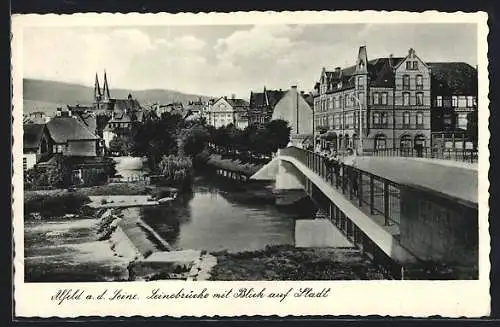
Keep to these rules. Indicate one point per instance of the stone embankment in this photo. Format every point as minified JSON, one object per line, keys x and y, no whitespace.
{"x":234,"y":166}
{"x":152,"y":258}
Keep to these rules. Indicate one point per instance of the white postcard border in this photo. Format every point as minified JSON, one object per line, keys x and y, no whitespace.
{"x":393,"y":298}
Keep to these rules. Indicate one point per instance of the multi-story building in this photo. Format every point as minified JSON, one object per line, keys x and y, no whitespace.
{"x":391,"y":95}
{"x":262,"y":105}
{"x":454,"y":104}
{"x":225,"y":111}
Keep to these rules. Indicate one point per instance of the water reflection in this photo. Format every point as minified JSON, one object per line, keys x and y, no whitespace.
{"x":219,"y":215}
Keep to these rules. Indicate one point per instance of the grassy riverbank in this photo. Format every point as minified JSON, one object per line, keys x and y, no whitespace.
{"x":285,"y":262}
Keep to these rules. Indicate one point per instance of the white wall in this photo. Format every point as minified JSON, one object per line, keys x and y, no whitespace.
{"x":30,"y":159}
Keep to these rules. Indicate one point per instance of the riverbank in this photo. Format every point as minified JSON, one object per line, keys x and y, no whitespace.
{"x":285,"y":262}
{"x":236,"y":166}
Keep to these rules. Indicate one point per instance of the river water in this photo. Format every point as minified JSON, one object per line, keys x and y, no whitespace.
{"x":222,"y":215}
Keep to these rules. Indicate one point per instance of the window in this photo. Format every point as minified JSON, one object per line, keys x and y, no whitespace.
{"x":361,"y":99}
{"x":408,"y":65}
{"x":462,"y":101}
{"x":383,"y":119}
{"x":406,"y":99}
{"x":415,"y":65}
{"x":420,"y":83}
{"x":406,"y":119}
{"x":380,"y":141}
{"x":376,"y":119}
{"x":454,"y":101}
{"x":355,"y":120}
{"x":462,"y":121}
{"x":25,"y":164}
{"x":383,"y":98}
{"x":439,"y":101}
{"x":405,"y":142}
{"x":340,"y":102}
{"x":420,"y":120}
{"x":375,"y":98}
{"x":420,"y":99}
{"x":361,"y":81}
{"x":406,"y":82}
{"x":470,"y":101}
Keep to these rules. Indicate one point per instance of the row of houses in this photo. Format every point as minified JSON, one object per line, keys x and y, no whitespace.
{"x":397,"y":102}
{"x":291,"y":105}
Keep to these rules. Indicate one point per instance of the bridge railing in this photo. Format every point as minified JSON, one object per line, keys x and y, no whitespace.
{"x":465,"y":155}
{"x":377,"y":196}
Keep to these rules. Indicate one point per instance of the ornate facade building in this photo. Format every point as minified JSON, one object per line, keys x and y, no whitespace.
{"x":400,"y":101}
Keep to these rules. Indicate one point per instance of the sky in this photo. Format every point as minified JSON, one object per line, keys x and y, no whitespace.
{"x":225,"y":60}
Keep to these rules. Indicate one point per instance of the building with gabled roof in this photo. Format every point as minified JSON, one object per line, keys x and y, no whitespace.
{"x":394,"y":98}
{"x":226,"y":111}
{"x":262,"y":105}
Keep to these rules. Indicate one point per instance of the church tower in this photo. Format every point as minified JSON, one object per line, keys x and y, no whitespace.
{"x":105,"y":89}
{"x":97,"y":90}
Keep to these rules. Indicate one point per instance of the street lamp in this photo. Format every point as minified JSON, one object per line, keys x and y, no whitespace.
{"x":360,"y":142}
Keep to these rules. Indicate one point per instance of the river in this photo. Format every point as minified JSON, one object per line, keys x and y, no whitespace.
{"x":221,"y":215}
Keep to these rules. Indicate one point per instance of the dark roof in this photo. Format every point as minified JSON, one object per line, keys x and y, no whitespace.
{"x":309,"y":99}
{"x":32,"y":135}
{"x":453,"y":78}
{"x":63,"y":129}
{"x":89,"y":119}
{"x":258,"y":99}
{"x":235,"y":103}
{"x":381,"y":71}
{"x":126,"y":104}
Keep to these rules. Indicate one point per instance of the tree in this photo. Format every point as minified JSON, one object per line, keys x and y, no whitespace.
{"x":278,"y":133}
{"x":177,"y":171}
{"x":120,"y":143}
{"x":192,"y":141}
{"x":59,"y":172}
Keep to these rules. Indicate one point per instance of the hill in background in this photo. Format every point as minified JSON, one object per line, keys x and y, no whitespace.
{"x":47,"y":96}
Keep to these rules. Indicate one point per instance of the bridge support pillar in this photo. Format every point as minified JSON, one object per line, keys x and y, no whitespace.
{"x":288,"y":188}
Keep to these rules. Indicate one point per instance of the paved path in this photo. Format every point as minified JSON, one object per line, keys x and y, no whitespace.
{"x":461,"y":182}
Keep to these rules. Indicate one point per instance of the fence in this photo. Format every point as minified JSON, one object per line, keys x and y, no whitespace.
{"x":129,"y":179}
{"x":466,"y":155}
{"x":377,"y":196}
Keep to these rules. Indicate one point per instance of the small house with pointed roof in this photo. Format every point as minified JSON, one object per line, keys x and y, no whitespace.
{"x":37,"y":144}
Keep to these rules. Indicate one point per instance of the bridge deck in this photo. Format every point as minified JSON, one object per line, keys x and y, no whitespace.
{"x":455,"y":180}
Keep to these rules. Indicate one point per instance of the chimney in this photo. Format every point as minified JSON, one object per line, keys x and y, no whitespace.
{"x":225,"y":97}
{"x":337,"y":70}
{"x":233,"y":96}
{"x":391,"y":57}
{"x":294,"y":109}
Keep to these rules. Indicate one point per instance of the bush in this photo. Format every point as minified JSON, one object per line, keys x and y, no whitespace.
{"x":55,"y":205}
{"x":177,"y":171}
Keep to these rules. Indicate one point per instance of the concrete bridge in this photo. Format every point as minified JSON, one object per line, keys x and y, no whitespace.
{"x":413,"y":216}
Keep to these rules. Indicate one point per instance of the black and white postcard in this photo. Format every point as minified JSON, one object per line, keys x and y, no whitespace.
{"x":251,"y":163}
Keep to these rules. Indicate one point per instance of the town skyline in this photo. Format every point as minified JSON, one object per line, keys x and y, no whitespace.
{"x":240,"y":58}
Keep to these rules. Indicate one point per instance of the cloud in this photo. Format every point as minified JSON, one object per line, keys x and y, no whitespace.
{"x":74,"y":55}
{"x":220,"y":62}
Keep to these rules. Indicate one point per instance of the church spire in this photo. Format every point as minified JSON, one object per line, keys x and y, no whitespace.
{"x":105,"y":89}
{"x":97,"y":89}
